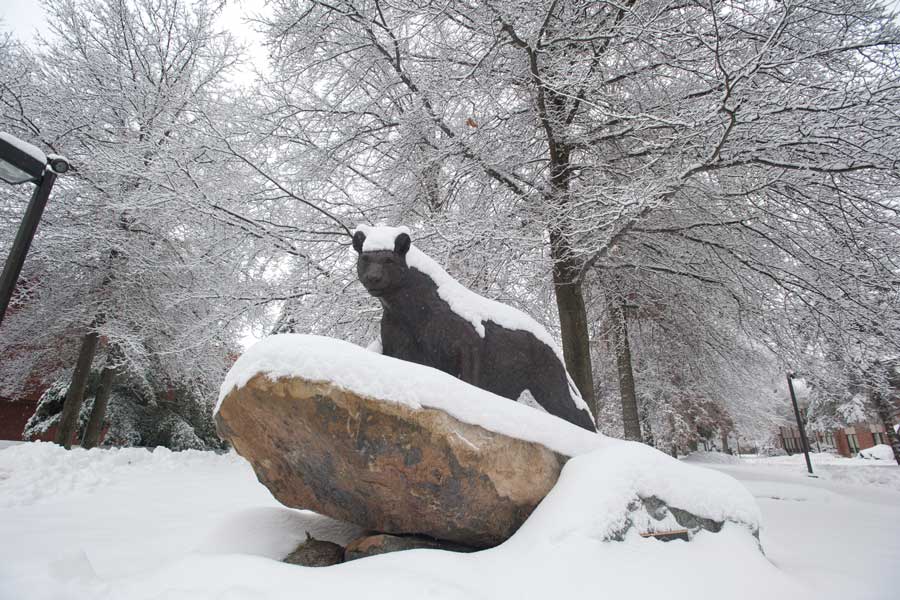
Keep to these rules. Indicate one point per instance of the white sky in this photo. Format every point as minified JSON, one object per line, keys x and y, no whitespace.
{"x":22,"y":17}
{"x":25,"y":19}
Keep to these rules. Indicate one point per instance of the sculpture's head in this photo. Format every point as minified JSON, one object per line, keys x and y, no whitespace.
{"x":381,"y":264}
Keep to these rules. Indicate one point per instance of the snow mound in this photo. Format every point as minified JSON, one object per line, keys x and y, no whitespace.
{"x":879,"y":452}
{"x":467,"y":304}
{"x":41,"y":471}
{"x":169,"y":528}
{"x":595,"y":489}
{"x":261,"y":531}
{"x":714,"y":458}
{"x":392,"y":380}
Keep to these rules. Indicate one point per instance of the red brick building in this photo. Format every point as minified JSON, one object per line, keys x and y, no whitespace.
{"x":15,"y":413}
{"x":847,"y":441}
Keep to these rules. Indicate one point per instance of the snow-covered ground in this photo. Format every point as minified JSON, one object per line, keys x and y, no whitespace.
{"x":838,"y":533}
{"x":123,"y":524}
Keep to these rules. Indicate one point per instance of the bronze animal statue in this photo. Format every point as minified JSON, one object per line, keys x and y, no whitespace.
{"x":431,"y":319}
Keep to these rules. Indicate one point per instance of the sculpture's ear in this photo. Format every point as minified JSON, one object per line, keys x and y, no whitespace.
{"x":358,"y":238}
{"x":401,"y":244}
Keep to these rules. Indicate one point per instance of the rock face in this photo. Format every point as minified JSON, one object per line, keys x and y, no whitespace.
{"x":385,"y":466}
{"x":384,"y":543}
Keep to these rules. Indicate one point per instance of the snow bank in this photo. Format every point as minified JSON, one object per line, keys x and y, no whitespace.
{"x":198,"y":526}
{"x":463,"y":301}
{"x":878,"y":452}
{"x":864,"y":475}
{"x":389,"y":379}
{"x":594,"y":489}
{"x":44,"y":471}
{"x":715,"y":458}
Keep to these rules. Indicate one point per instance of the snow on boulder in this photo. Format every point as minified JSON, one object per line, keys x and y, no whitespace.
{"x":400,"y":448}
{"x":878,"y":452}
{"x":352,"y":367}
{"x":629,"y":488}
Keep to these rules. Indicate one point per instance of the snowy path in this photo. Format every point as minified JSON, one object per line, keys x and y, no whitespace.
{"x":132,"y":524}
{"x":838,"y":533}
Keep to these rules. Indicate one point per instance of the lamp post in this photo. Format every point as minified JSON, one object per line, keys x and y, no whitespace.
{"x":21,"y":162}
{"x":803,"y":440}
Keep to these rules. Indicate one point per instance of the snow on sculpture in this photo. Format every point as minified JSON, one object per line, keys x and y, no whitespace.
{"x":431,"y":319}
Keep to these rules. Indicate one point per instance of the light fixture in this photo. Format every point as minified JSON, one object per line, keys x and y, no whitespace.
{"x":20,"y":162}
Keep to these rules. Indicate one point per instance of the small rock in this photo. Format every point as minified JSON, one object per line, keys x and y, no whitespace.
{"x":654,"y":518}
{"x":383,"y":543}
{"x":316,"y":553}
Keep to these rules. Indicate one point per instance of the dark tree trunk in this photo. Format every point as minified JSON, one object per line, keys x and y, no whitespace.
{"x":646,"y":426}
{"x":674,"y":450}
{"x":647,"y":430}
{"x":68,"y":422}
{"x":574,"y":333}
{"x":725,"y":447}
{"x":883,"y":408}
{"x":619,"y":337}
{"x":101,"y":401}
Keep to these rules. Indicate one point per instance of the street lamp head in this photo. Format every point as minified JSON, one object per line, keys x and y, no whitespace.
{"x":59,"y":164}
{"x":20,"y":162}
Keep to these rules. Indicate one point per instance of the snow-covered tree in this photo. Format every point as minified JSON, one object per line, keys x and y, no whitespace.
{"x":690,"y":194}
{"x":133,"y":254}
{"x":743,"y":145}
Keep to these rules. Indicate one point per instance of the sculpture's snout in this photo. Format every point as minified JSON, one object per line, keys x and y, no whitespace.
{"x":374,"y":279}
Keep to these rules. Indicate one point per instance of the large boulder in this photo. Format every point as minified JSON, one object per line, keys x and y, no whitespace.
{"x":384,"y":465}
{"x":400,"y":448}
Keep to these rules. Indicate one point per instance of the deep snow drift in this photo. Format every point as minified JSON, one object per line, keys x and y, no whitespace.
{"x":130,"y":524}
{"x":878,"y":452}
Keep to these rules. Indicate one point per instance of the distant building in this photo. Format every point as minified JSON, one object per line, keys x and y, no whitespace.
{"x":846,"y":441}
{"x":15,"y":412}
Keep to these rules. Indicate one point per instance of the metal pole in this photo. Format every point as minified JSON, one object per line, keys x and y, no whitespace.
{"x":803,"y":440}
{"x":22,"y":243}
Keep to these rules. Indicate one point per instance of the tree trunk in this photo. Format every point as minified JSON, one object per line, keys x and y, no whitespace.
{"x":101,"y":401}
{"x":567,"y":285}
{"x":882,"y":407}
{"x":674,"y":450}
{"x":574,"y":333}
{"x":68,"y":422}
{"x":725,"y":447}
{"x":619,"y":338}
{"x":646,"y":425}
